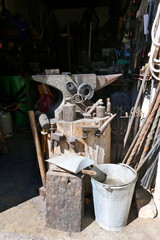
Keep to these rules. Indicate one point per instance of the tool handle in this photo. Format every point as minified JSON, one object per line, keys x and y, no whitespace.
{"x":37,"y":146}
{"x":89,"y":172}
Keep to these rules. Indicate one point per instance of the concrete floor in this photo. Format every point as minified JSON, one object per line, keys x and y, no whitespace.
{"x":22,"y":210}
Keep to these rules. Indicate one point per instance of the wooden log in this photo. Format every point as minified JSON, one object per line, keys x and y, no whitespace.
{"x":38,"y":146}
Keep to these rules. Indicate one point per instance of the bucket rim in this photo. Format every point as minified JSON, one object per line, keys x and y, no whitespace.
{"x":109,"y":187}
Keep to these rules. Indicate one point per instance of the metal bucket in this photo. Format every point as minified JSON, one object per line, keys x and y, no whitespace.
{"x":112,"y":199}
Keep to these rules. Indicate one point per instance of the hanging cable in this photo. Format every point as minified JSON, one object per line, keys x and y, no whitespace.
{"x":155,"y":35}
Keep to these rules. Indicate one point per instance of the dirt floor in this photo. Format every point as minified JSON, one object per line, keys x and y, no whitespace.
{"x":22,"y":210}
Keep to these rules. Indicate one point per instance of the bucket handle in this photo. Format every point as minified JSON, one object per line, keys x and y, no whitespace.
{"x":127,"y":166}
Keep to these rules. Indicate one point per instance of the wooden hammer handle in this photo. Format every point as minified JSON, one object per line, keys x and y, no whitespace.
{"x":37,"y":146}
{"x":89,"y":172}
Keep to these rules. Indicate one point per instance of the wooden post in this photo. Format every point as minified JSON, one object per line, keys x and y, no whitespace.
{"x":38,"y":147}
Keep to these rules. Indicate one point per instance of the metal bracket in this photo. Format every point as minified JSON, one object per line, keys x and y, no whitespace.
{"x":57,"y":137}
{"x":86,"y":129}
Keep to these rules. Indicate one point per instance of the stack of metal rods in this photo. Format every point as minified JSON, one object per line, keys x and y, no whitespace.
{"x":148,"y":174}
{"x":144,"y":141}
{"x":141,"y":130}
{"x":133,"y":155}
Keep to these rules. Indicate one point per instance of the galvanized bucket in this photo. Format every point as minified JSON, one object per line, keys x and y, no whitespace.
{"x":112,"y":199}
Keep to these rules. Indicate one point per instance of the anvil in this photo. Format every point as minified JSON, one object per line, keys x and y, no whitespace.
{"x":79,"y":88}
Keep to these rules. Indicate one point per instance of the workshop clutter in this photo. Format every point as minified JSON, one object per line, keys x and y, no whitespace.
{"x":81,"y":126}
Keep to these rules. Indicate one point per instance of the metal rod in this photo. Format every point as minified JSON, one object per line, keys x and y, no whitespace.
{"x":125,"y":159}
{"x":94,"y":106}
{"x":105,"y":124}
{"x":136,"y":105}
{"x":150,"y":136}
{"x":149,"y":154}
{"x":144,"y":131}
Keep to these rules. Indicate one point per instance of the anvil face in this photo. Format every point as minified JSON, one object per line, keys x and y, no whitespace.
{"x":78,"y":87}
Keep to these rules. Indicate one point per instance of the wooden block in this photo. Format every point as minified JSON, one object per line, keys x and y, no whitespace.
{"x":64,"y":201}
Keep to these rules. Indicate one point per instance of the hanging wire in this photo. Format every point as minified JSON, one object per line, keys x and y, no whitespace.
{"x":155,"y":35}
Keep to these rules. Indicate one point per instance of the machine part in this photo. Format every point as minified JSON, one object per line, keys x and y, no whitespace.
{"x":86,"y":91}
{"x":86,"y":129}
{"x":69,"y":112}
{"x":78,"y":98}
{"x":68,"y":99}
{"x":71,"y":87}
{"x":89,"y":128}
{"x":108,"y":105}
{"x":104,"y":125}
{"x":100,"y":111}
{"x":87,"y":115}
{"x":56,"y":137}
{"x":72,"y":139}
{"x":53,"y":122}
{"x":44,"y":121}
{"x":72,"y":142}
{"x":99,"y":102}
